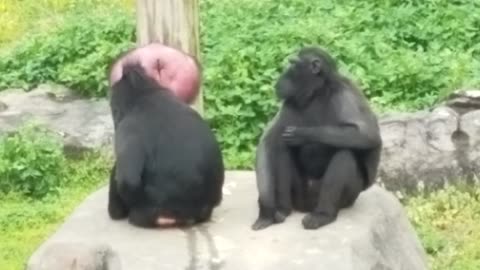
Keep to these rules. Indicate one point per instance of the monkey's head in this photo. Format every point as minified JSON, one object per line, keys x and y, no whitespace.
{"x":134,"y":84}
{"x":308,"y":74}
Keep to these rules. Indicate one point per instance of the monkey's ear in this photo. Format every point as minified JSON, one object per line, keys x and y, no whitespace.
{"x":316,"y":66}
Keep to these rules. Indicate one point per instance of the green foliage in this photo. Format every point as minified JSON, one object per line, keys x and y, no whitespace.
{"x":404,"y":55}
{"x":447,"y":223}
{"x":23,"y":16}
{"x":39,"y":186}
{"x":75,"y":55}
{"x":31,"y":162}
{"x":25,"y":222}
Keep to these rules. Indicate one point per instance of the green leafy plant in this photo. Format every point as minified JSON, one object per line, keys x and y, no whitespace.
{"x":25,"y":221}
{"x":403,"y":55}
{"x":447,"y":223}
{"x":76,"y":54}
{"x":31,"y":162}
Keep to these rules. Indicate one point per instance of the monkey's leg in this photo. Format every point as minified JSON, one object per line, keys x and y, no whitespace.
{"x":145,"y":217}
{"x":300,"y":190}
{"x":117,"y":208}
{"x":272,"y":188}
{"x":289,"y":183}
{"x":340,"y":187}
{"x":204,"y":214}
{"x":265,"y":178}
{"x":302,"y":194}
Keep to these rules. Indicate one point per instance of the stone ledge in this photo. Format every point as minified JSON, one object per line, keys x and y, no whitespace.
{"x":374,"y":234}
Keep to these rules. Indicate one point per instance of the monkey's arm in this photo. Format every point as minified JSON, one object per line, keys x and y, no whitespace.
{"x":130,"y":160}
{"x":356,"y":127}
{"x":273,"y":176}
{"x":117,"y":209}
{"x":342,"y":136}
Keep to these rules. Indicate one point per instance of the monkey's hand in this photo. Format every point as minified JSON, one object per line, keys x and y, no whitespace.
{"x":295,"y":136}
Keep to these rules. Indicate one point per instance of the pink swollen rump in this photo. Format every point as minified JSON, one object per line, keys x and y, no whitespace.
{"x":171,"y":68}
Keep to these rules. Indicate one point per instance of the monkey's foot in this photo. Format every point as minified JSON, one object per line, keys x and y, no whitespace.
{"x":264,"y":222}
{"x":117,"y":212}
{"x":281,"y":215}
{"x":314,"y":221}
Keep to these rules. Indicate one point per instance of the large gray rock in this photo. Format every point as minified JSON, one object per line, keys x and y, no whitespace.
{"x":431,"y":148}
{"x":417,"y":148}
{"x":423,"y":149}
{"x":84,"y":123}
{"x":372,"y":235}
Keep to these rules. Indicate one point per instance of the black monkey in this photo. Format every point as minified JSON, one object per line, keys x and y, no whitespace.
{"x":321,"y":149}
{"x":168,"y":165}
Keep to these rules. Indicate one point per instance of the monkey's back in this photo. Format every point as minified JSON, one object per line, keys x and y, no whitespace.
{"x":181,"y":151}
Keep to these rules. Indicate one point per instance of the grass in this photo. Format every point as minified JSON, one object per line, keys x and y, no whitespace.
{"x":26,"y":223}
{"x":19,"y":18}
{"x":447,"y":223}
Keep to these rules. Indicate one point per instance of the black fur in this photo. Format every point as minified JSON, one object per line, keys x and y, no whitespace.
{"x":168,"y":161}
{"x":322,"y":148}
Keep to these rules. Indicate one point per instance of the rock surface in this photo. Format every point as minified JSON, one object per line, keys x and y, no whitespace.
{"x":433,"y":147}
{"x":84,"y":123}
{"x":372,"y":235}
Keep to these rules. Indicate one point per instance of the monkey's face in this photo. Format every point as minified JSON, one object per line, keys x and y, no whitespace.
{"x":302,"y":78}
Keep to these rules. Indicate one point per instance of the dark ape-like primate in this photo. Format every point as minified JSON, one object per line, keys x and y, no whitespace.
{"x":322,"y":148}
{"x":168,"y":165}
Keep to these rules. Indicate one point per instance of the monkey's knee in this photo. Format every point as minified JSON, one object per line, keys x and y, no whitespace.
{"x":346,"y":156}
{"x":347,"y":175}
{"x":344,"y":165}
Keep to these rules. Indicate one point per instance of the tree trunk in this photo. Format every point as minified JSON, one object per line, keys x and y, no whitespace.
{"x":174,"y":23}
